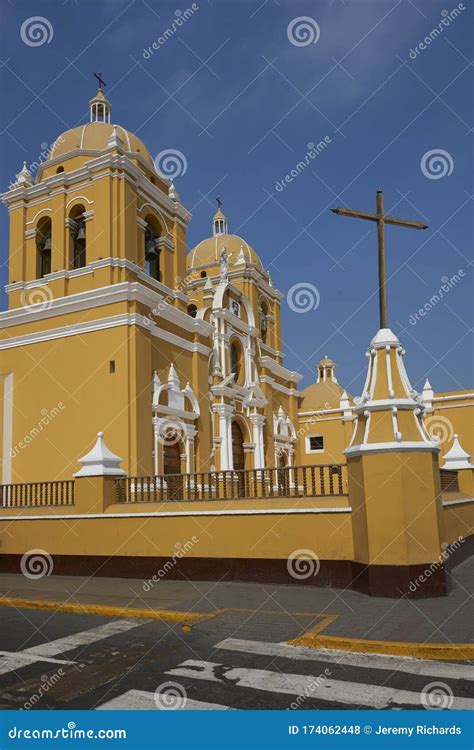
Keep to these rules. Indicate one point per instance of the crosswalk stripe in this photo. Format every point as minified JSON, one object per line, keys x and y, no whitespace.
{"x":10,"y":661}
{"x":310,"y":686}
{"x":83,"y":638}
{"x":142,"y":700}
{"x":422,"y":667}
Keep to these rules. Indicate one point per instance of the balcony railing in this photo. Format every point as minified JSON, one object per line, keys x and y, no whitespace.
{"x":291,"y":481}
{"x":37,"y":494}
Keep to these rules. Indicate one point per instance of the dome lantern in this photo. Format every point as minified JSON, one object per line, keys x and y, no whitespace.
{"x":219,"y":222}
{"x":326,"y":370}
{"x":99,"y":106}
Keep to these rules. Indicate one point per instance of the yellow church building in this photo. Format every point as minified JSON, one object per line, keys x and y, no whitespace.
{"x":113,"y":327}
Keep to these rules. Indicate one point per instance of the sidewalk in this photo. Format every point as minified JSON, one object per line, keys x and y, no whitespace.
{"x":305,"y":615}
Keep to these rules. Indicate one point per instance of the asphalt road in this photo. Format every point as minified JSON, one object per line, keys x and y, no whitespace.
{"x":52,"y":660}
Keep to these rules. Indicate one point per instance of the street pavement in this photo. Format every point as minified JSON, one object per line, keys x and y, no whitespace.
{"x":57,"y":660}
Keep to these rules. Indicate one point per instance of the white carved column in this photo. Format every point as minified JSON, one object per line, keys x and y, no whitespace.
{"x":258,"y":420}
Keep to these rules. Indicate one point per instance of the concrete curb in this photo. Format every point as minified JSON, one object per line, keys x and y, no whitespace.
{"x":433,"y":651}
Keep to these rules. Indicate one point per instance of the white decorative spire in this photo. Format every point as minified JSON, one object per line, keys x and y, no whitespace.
{"x":100,"y":461}
{"x":173,"y":193}
{"x":457,"y":458}
{"x":427,"y":395}
{"x":114,"y":141}
{"x":24,"y":177}
{"x":389,"y":412}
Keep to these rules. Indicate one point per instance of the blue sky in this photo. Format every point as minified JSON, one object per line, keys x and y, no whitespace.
{"x":232,"y":91}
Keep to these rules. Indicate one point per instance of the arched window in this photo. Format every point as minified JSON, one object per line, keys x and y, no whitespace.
{"x":203,"y":274}
{"x":235,"y":360}
{"x":192,"y":310}
{"x":43,"y":247}
{"x":263,"y":322}
{"x":59,"y":170}
{"x":78,"y":236}
{"x":152,"y":252}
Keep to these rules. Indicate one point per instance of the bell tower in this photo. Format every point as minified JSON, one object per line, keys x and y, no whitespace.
{"x":93,"y":213}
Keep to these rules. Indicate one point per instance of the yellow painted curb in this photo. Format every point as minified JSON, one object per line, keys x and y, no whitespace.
{"x":435,"y":651}
{"x":107,"y":611}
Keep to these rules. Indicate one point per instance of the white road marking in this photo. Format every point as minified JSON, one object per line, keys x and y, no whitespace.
{"x":141,"y":700}
{"x":424,"y":667}
{"x":11,"y":661}
{"x":83,"y":638}
{"x":309,"y":686}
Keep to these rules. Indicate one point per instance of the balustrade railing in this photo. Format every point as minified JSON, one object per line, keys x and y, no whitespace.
{"x":37,"y":494}
{"x":290,"y":481}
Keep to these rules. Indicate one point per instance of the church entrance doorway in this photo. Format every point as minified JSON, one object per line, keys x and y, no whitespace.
{"x":238,"y":458}
{"x":172,"y":471}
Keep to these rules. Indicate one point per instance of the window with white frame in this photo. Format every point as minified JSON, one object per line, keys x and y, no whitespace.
{"x":315,"y":444}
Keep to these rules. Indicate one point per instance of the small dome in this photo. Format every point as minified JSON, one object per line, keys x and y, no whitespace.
{"x":94,"y":137}
{"x":208,"y":251}
{"x":323,"y":395}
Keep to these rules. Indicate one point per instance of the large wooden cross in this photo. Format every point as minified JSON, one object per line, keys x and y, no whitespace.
{"x":381,"y":220}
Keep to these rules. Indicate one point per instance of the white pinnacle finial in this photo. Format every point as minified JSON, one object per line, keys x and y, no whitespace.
{"x":100,"y":461}
{"x":457,"y":458}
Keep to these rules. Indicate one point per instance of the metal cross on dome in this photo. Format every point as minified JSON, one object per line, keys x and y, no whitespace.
{"x":381,"y":218}
{"x":100,"y":79}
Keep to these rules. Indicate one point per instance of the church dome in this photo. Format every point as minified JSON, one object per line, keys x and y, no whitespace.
{"x":94,"y":136}
{"x":326,"y":393}
{"x":208,"y":251}
{"x":322,"y":395}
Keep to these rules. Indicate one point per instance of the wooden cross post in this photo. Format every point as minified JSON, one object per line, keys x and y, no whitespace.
{"x":381,"y":220}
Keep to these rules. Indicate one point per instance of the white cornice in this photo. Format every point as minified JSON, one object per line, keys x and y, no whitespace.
{"x":88,"y":171}
{"x":277,"y":386}
{"x":279,"y":370}
{"x":401,"y":447}
{"x":125,"y":291}
{"x":126,"y":319}
{"x":153,"y":514}
{"x":94,"y":266}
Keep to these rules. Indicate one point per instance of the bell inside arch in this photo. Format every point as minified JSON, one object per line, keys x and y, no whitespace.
{"x":46,"y":244}
{"x":81,"y":232}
